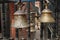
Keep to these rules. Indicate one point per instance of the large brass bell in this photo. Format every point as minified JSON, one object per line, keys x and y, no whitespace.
{"x":20,"y":19}
{"x":46,"y":15}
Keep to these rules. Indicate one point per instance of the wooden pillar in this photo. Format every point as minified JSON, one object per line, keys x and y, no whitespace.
{"x":12,"y":29}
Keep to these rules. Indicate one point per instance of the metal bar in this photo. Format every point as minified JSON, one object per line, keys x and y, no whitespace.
{"x":2,"y":20}
{"x":45,"y":32}
{"x":29,"y":20}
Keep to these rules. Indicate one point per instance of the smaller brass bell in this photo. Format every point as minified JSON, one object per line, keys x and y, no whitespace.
{"x":46,"y":15}
{"x":32,"y":29}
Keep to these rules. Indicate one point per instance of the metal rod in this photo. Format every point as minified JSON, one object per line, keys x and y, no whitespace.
{"x":45,"y":32}
{"x":29,"y":20}
{"x":51,"y":36}
{"x":2,"y":20}
{"x":18,"y":33}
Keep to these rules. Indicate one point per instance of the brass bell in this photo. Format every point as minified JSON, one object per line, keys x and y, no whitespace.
{"x":32,"y":20}
{"x":32,"y":27}
{"x":46,"y":15}
{"x":20,"y":19}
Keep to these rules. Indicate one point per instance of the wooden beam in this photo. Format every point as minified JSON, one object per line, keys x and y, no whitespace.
{"x":7,"y":1}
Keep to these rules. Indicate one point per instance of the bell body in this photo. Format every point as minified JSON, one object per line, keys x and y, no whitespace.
{"x":20,"y":19}
{"x":46,"y":16}
{"x":20,"y":22}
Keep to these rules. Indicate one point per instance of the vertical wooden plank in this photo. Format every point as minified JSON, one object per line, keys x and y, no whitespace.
{"x":12,"y":29}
